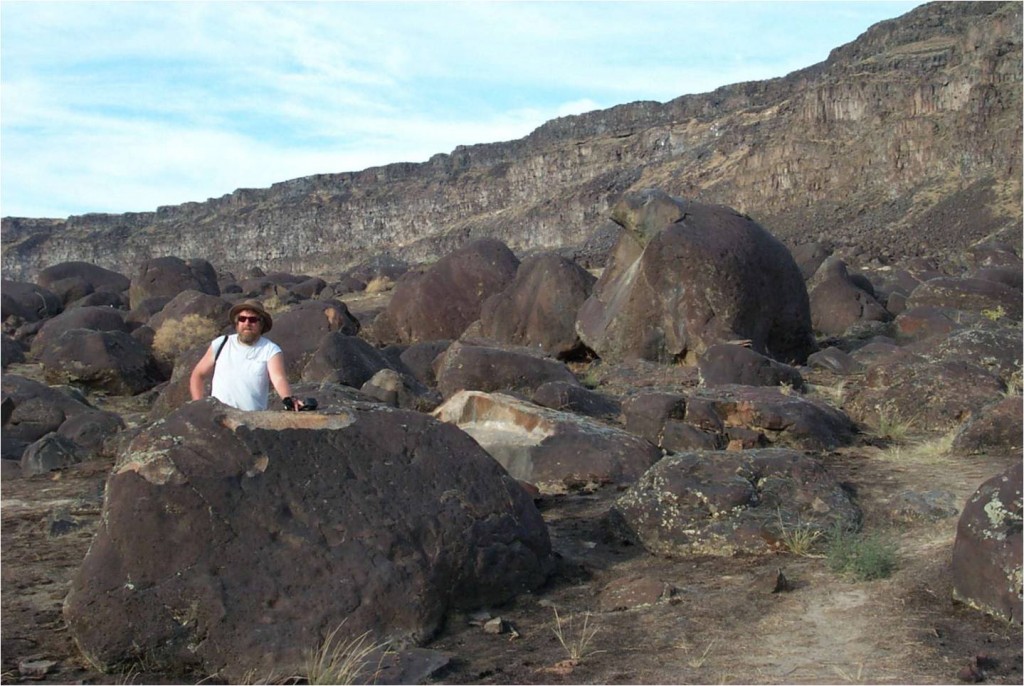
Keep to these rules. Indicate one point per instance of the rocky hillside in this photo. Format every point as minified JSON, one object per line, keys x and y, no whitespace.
{"x":906,"y":142}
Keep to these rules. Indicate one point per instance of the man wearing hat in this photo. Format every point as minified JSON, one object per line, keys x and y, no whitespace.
{"x":244,"y":364}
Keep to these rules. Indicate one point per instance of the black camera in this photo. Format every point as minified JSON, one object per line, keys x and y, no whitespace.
{"x":308,"y":404}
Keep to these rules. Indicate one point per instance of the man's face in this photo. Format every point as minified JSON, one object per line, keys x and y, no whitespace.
{"x":249,"y":326}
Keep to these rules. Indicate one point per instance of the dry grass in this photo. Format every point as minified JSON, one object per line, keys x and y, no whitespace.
{"x":176,"y":336}
{"x":925,"y":451}
{"x":800,"y":538}
{"x":892,"y":425}
{"x":338,"y":661}
{"x":575,"y":637}
{"x":834,"y":395}
{"x":379,"y":284}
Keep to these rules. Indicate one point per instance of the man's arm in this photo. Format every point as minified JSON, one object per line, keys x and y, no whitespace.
{"x":278,"y":377}
{"x":200,"y":373}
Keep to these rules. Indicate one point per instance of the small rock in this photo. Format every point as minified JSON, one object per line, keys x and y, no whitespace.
{"x":35,"y":668}
{"x":495,"y":626}
{"x":782,"y":584}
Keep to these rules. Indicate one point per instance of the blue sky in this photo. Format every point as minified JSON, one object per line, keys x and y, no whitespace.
{"x":127,"y":106}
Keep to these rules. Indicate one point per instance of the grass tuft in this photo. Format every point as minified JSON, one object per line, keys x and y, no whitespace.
{"x":800,"y":538}
{"x":892,"y":425}
{"x":859,"y":556}
{"x":338,"y":661}
{"x":575,"y":639}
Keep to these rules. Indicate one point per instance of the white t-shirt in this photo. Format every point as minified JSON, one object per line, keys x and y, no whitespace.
{"x":240,"y":376}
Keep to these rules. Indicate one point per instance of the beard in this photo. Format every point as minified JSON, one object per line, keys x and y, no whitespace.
{"x":248,"y":337}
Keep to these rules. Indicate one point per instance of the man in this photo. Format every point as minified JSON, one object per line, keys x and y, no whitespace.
{"x":244,"y":364}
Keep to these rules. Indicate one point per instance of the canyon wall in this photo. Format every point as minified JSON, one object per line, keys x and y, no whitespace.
{"x":906,"y":142}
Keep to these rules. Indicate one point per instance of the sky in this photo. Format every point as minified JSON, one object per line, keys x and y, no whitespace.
{"x":131,"y":105}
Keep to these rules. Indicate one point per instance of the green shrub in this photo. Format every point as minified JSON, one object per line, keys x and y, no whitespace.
{"x":860,"y":556}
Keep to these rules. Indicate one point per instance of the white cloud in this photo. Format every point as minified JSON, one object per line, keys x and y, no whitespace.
{"x":126,"y":106}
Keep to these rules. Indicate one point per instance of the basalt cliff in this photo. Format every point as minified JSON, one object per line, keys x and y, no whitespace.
{"x":906,"y":142}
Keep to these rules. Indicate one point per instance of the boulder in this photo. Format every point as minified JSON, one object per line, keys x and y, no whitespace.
{"x":538,"y":308}
{"x":119,"y":301}
{"x":467,"y":367}
{"x":442,"y":301}
{"x":930,"y":396}
{"x":554,"y":451}
{"x":231,"y":543}
{"x":834,"y":360}
{"x":723,"y":363}
{"x":104,"y":361}
{"x":987,"y":551}
{"x":50,"y":453}
{"x":723,"y":503}
{"x":94,"y":277}
{"x":344,"y":359}
{"x":419,"y":359}
{"x":11,"y":351}
{"x":838,"y":300}
{"x":192,"y":302}
{"x":784,"y":419}
{"x":685,"y":276}
{"x":401,"y":390}
{"x":809,"y":256}
{"x":996,"y":427}
{"x":33,"y":411}
{"x":968,"y":295}
{"x":91,"y":318}
{"x":993,"y":346}
{"x":26,"y":302}
{"x":169,"y":276}
{"x":571,"y":397}
{"x":300,"y":329}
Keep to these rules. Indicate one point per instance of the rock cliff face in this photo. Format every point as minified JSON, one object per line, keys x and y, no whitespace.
{"x":905,"y":142}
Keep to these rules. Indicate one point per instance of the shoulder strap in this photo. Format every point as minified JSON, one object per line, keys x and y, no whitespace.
{"x":221,"y":348}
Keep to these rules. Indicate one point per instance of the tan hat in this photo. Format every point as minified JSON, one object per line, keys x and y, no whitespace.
{"x":268,"y":322}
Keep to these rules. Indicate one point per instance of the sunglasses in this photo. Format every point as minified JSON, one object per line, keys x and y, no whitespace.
{"x":246,"y":319}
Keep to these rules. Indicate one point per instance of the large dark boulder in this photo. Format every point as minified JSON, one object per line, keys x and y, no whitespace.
{"x":464,"y":366}
{"x":232,"y":542}
{"x":685,"y":276}
{"x":192,"y":302}
{"x":344,"y":359}
{"x":104,"y":361}
{"x":572,"y":397}
{"x":998,"y":427}
{"x":723,"y":363}
{"x":928,"y":396}
{"x":27,"y":302}
{"x":11,"y":351}
{"x":34,"y":412}
{"x":442,"y":301}
{"x":722,"y":503}
{"x":987,"y":551}
{"x":419,"y":359}
{"x":737,"y":417}
{"x":968,"y":295}
{"x":538,"y":309}
{"x":169,"y":276}
{"x":300,"y":329}
{"x":993,"y":346}
{"x":91,"y":318}
{"x":95,"y":278}
{"x":838,"y":301}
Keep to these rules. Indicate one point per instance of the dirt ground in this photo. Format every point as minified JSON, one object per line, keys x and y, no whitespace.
{"x":705,"y":620}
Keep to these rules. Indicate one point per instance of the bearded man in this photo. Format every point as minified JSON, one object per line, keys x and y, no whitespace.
{"x":244,"y":364}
